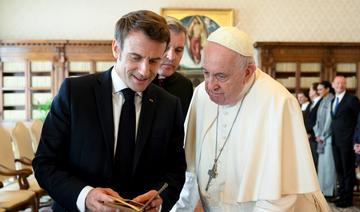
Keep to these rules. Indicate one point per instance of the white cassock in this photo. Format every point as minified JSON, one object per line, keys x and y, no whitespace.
{"x":266,"y":164}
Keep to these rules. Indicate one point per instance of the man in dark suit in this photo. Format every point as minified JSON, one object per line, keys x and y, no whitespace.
{"x":310,"y":119}
{"x":167,"y":77}
{"x":345,"y":108}
{"x":90,"y":151}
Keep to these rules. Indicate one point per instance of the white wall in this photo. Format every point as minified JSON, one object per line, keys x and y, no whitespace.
{"x":265,"y":20}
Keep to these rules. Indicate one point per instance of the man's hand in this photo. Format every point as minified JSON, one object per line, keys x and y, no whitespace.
{"x":154,"y":205}
{"x":97,"y":196}
{"x":319,"y":140}
{"x":198,"y":207}
{"x":357,"y":148}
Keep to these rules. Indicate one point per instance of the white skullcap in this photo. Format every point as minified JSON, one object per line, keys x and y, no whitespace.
{"x":234,"y":39}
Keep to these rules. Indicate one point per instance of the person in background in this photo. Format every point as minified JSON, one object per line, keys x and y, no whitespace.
{"x":167,"y":77}
{"x":246,"y":145}
{"x":322,"y":130}
{"x":357,"y":140}
{"x":310,"y":119}
{"x":345,"y":109}
{"x":304,"y":100}
{"x":115,"y":133}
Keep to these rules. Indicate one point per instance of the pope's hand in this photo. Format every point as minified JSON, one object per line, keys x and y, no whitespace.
{"x":154,"y":206}
{"x":198,"y":207}
{"x":97,"y":196}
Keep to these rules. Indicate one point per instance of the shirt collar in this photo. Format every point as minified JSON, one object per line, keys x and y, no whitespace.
{"x":118,"y":83}
{"x":316,"y":99}
{"x":341,"y":95}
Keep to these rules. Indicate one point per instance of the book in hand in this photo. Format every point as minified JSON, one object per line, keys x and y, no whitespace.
{"x":126,"y":205}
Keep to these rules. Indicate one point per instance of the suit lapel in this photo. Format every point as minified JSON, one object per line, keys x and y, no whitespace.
{"x":103,"y":96}
{"x":341,"y":103}
{"x":148,"y":105}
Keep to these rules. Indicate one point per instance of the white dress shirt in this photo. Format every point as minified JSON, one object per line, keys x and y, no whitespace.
{"x":304,"y":106}
{"x":314,"y":102}
{"x":340,"y":96}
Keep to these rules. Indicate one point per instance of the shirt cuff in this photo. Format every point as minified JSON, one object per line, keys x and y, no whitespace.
{"x":80,"y":202}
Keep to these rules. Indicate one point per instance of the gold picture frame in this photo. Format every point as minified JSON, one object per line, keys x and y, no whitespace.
{"x":224,"y":17}
{"x":210,"y":20}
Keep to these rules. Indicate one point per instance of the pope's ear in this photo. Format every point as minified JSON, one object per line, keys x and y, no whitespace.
{"x":250,"y":69}
{"x":115,"y":49}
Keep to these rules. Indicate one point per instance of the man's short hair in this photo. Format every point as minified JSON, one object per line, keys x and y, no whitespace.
{"x":175,"y":25}
{"x":314,"y":86}
{"x":151,"y":24}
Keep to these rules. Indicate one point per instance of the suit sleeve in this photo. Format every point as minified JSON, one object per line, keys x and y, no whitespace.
{"x":50,"y":163}
{"x":176,"y":164}
{"x":357,"y":131}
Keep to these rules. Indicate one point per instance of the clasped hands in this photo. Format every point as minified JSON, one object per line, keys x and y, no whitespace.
{"x":97,"y":196}
{"x":318,"y":139}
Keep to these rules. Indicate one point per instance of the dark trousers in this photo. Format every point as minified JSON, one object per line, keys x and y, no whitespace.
{"x":315,"y":155}
{"x":344,"y":158}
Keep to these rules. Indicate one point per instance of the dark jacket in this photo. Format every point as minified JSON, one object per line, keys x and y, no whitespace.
{"x":179,"y":86}
{"x":77,"y":143}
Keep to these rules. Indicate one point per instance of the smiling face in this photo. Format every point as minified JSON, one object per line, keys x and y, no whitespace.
{"x":339,"y":84}
{"x":322,"y":90}
{"x":173,"y":54}
{"x":302,"y":98}
{"x":138,"y":60}
{"x":224,"y":73}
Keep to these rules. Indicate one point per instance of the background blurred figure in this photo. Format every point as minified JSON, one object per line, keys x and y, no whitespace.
{"x":345,"y":109}
{"x":310,"y":119}
{"x":303,"y":99}
{"x":167,"y":77}
{"x":322,"y":130}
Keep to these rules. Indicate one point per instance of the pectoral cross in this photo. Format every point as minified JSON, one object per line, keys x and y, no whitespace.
{"x":212,"y":174}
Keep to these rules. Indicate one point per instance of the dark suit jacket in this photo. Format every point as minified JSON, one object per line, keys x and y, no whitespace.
{"x":344,"y":120}
{"x":179,"y":86}
{"x":310,"y":119}
{"x":77,"y":143}
{"x":357,"y":131}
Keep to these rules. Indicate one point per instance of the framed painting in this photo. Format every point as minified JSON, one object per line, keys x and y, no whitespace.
{"x":200,"y":23}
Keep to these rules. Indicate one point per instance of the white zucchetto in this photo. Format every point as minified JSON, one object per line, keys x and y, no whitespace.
{"x":234,"y":39}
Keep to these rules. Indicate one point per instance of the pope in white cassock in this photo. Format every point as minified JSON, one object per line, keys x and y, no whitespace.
{"x":246,"y":144}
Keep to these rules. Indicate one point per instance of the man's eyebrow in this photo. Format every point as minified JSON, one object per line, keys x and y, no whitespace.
{"x":155,"y":58}
{"x":138,"y":55}
{"x":135,"y":54}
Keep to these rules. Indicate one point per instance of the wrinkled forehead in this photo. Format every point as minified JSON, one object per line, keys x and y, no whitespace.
{"x":340,"y":80}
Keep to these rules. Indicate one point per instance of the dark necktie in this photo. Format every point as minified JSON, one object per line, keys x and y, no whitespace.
{"x":124,"y":155}
{"x":161,"y":82}
{"x":336,"y":105}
